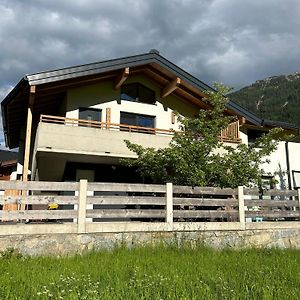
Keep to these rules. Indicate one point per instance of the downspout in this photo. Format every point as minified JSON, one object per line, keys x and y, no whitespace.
{"x":288,"y":168}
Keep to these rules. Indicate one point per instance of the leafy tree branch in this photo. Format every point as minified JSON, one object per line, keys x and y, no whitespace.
{"x":196,"y":157}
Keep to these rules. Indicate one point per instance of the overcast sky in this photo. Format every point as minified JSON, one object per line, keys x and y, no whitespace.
{"x":232,"y":41}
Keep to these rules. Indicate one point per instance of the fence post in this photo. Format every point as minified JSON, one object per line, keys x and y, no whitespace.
{"x":81,"y":222}
{"x":169,"y":203}
{"x":241,"y":207}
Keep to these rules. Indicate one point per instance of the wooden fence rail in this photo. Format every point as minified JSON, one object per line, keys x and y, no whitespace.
{"x":85,"y":205}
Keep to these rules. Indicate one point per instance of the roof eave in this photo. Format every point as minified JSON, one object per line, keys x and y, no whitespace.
{"x":239,"y":110}
{"x":280,"y":124}
{"x":111,"y":65}
{"x":20,"y":85}
{"x":114,"y":64}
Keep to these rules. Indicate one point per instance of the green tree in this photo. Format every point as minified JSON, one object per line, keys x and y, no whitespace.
{"x":196,"y":156}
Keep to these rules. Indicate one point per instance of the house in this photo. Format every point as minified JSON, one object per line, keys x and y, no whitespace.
{"x":8,"y":167}
{"x":71,"y":123}
{"x":8,"y":164}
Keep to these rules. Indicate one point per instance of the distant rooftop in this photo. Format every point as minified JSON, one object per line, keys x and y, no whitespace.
{"x":6,"y":155}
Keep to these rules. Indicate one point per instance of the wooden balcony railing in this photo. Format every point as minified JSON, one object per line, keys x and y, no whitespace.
{"x":230,"y":134}
{"x":103,"y":125}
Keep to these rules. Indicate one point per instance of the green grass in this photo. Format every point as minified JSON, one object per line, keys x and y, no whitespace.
{"x":160,"y":272}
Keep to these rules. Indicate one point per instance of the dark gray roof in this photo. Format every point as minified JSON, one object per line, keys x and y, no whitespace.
{"x":272,"y":123}
{"x":7,"y":155}
{"x":119,"y":63}
{"x":245,"y":113}
{"x":111,"y":65}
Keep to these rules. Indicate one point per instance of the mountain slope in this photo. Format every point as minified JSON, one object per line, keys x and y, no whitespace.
{"x":276,"y":98}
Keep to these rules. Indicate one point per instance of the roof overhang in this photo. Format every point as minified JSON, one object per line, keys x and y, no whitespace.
{"x":51,"y":87}
{"x":9,"y":163}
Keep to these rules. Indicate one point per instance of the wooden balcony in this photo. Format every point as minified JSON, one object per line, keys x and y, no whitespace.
{"x":231,"y":134}
{"x":228,"y":135}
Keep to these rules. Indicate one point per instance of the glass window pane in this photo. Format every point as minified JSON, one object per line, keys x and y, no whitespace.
{"x":90,"y":114}
{"x":129,"y":92}
{"x":138,"y":93}
{"x":129,"y":119}
{"x":137,"y":120}
{"x":146,"y":95}
{"x":146,"y":121}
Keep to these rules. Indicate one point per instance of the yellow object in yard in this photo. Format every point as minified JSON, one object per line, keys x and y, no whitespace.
{"x":52,"y":206}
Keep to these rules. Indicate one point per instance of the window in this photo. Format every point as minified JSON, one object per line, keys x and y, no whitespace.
{"x":253,"y":135}
{"x":137,"y":92}
{"x":137,"y":120}
{"x":89,"y":114}
{"x":296,"y":179}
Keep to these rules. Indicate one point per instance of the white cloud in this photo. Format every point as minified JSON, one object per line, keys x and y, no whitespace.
{"x":200,"y":35}
{"x":4,"y":90}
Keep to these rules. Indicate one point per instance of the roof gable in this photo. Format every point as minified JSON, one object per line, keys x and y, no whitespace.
{"x":51,"y":87}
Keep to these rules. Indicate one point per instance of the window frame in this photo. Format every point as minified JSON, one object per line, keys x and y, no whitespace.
{"x":259,"y":134}
{"x":90,"y":109}
{"x":296,"y":181}
{"x":137,"y":116}
{"x":138,"y":87}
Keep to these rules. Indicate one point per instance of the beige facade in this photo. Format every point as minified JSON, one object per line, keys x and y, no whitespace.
{"x":56,"y":144}
{"x":62,"y":143}
{"x":103,"y":95}
{"x":48,"y":147}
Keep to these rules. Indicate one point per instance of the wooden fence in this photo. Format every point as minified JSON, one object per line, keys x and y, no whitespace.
{"x":93,"y":207}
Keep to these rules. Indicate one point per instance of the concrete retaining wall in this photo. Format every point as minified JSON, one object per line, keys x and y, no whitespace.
{"x":70,"y":243}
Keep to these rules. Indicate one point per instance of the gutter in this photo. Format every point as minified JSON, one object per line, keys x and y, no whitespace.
{"x":288,"y":168}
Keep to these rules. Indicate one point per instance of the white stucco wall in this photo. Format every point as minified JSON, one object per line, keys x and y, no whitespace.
{"x":278,"y":162}
{"x":294,"y":158}
{"x":102,"y":96}
{"x":243,"y":136}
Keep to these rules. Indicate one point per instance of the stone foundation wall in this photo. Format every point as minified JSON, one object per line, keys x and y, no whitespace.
{"x":70,"y":243}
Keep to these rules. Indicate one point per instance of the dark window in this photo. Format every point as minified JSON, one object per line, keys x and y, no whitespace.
{"x":137,"y":120}
{"x":296,"y":179}
{"x":253,"y":135}
{"x":89,"y":114}
{"x":137,"y":92}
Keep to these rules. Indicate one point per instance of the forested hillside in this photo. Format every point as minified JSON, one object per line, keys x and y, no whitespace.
{"x":275,"y":98}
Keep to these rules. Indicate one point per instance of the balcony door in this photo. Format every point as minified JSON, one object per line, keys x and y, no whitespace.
{"x":89,"y":114}
{"x":136,"y":121}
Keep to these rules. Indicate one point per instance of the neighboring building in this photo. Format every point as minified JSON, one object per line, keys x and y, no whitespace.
{"x":71,"y":123}
{"x":8,"y":167}
{"x":8,"y":164}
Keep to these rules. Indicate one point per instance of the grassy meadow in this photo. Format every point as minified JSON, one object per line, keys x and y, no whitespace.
{"x":158,"y":272}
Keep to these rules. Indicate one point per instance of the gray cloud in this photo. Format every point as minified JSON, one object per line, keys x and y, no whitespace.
{"x":232,"y":41}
